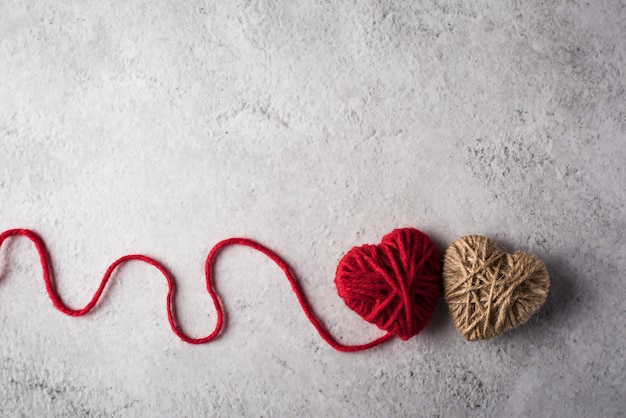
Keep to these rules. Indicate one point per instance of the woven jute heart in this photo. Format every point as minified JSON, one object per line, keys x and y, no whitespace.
{"x":490,"y":291}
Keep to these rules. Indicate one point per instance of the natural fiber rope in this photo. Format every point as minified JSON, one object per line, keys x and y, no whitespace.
{"x":490,"y":291}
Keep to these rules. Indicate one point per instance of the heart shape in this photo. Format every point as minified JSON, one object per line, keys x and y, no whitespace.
{"x":490,"y":291}
{"x":395,"y":284}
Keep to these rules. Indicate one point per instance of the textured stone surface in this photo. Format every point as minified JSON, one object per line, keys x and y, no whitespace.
{"x":162,"y":127}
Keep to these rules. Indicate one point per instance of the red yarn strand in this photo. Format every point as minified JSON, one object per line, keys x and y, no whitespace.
{"x":44,"y":259}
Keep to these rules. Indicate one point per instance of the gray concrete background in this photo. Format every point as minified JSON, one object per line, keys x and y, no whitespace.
{"x":161,"y":127}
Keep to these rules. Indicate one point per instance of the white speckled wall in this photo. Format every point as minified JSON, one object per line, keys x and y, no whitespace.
{"x":162,"y":127}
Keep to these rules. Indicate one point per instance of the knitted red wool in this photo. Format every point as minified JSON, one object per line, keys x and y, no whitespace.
{"x":394,"y":284}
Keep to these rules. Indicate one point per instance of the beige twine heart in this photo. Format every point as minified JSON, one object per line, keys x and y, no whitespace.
{"x":490,"y":291}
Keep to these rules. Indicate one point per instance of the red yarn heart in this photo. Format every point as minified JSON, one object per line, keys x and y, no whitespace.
{"x":395,"y":284}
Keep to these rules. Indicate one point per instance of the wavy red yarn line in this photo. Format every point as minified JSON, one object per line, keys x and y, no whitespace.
{"x":44,"y":258}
